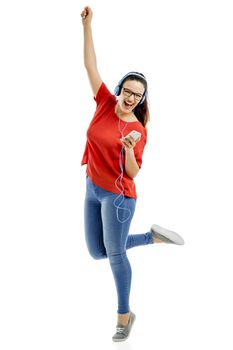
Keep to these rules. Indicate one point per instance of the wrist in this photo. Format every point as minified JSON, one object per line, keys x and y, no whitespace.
{"x":129,"y":150}
{"x":86,"y":25}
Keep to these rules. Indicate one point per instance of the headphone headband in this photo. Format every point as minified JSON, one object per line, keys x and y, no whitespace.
{"x":132,"y":74}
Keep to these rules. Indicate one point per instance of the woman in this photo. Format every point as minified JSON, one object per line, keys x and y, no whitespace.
{"x":113,"y":160}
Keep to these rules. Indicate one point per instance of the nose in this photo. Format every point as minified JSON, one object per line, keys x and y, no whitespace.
{"x":131,"y":98}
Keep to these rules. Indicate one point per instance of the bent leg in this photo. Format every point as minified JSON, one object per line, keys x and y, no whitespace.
{"x":94,"y":229}
{"x":139,"y":239}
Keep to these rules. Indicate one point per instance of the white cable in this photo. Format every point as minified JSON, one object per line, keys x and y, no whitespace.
{"x":121,"y":195}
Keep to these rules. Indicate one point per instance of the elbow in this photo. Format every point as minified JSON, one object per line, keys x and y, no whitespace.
{"x":132,"y":174}
{"x":135,"y":174}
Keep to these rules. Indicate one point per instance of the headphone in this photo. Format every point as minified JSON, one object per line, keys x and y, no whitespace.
{"x":117,"y":89}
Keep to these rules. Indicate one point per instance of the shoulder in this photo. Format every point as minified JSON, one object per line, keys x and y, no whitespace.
{"x":142,"y":130}
{"x":103,"y":94}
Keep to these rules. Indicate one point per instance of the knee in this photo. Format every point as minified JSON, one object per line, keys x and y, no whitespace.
{"x":97,"y":255}
{"x":116,"y":259}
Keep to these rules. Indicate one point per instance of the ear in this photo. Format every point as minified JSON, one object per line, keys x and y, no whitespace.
{"x":143,"y":97}
{"x":142,"y":100}
{"x":117,"y":90}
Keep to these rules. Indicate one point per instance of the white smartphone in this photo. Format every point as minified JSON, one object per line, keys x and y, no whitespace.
{"x":135,"y":135}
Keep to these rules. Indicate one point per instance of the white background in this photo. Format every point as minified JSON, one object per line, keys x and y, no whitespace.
{"x":53,"y":295}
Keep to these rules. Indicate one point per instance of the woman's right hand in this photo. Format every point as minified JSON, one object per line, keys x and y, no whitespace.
{"x":86,"y":15}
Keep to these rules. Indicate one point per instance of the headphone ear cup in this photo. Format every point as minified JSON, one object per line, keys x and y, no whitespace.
{"x":142,"y":100}
{"x":117,"y":90}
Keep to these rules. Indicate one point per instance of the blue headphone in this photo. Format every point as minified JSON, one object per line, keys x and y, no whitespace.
{"x":117,"y":89}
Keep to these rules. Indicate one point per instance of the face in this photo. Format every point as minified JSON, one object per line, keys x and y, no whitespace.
{"x":131,"y":94}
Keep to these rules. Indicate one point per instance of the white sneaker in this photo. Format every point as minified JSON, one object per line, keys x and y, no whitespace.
{"x":166,"y":235}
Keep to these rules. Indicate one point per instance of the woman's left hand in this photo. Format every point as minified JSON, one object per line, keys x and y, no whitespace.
{"x":129,"y":142}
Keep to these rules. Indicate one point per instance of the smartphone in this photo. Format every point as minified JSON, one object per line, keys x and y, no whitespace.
{"x":135,"y":135}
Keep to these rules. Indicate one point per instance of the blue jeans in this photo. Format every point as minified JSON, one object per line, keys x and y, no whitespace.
{"x":106,"y":237}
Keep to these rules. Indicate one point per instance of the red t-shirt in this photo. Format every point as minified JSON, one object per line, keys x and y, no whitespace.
{"x":103,"y":145}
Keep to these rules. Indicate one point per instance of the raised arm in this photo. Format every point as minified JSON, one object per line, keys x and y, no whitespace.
{"x":89,"y":51}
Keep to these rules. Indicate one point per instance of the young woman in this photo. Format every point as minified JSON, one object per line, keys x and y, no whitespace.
{"x":113,"y":159}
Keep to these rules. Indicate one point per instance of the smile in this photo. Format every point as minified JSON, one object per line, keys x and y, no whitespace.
{"x":128,"y":104}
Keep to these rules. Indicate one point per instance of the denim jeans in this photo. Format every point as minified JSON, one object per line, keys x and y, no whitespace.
{"x":106,"y":237}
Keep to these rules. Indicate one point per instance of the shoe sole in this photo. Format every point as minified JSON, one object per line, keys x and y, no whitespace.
{"x":172,"y":236}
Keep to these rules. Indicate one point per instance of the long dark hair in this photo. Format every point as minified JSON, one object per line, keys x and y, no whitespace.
{"x":141,"y":110}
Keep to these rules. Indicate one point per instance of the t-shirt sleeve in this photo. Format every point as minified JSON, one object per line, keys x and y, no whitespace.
{"x":103,"y":95}
{"x":139,"y":148}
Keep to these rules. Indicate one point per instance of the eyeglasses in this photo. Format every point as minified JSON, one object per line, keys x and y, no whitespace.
{"x":128,"y":93}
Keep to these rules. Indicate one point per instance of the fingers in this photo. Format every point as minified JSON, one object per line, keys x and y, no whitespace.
{"x":86,"y":12}
{"x":131,"y":139}
{"x":128,"y":142}
{"x":124,"y":143}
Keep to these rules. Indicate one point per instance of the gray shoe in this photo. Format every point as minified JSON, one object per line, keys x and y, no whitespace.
{"x":122,"y":332}
{"x":166,"y":235}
